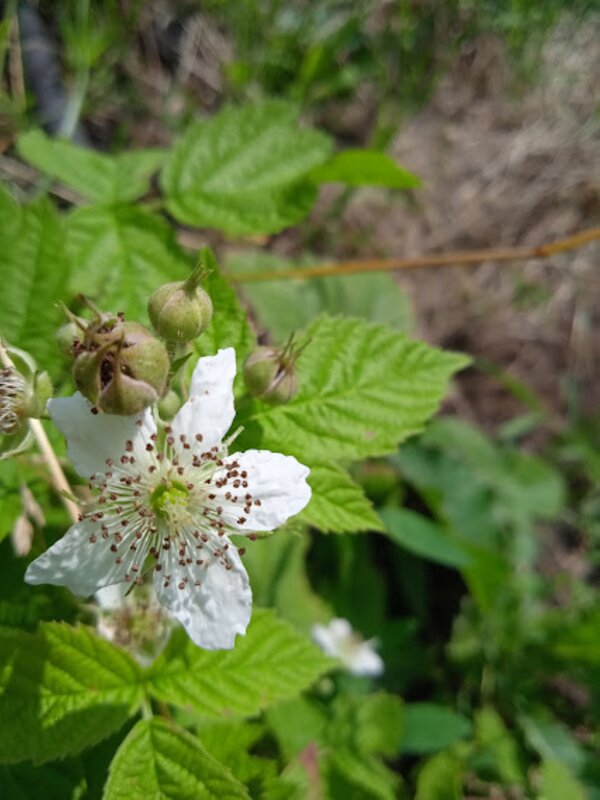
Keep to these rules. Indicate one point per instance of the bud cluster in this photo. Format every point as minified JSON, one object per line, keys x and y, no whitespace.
{"x":120,"y":366}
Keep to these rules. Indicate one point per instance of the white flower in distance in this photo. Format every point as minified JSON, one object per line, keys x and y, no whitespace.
{"x":337,"y":639}
{"x":171,"y":505}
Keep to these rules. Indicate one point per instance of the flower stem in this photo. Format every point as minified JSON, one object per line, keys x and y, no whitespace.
{"x":434,"y":260}
{"x":57,"y":475}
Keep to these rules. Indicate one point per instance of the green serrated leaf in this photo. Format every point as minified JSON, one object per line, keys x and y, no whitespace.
{"x":229,"y":326}
{"x":363,"y":388}
{"x":121,"y":255}
{"x":429,"y":727}
{"x":158,"y":761}
{"x":63,"y":689}
{"x":423,"y":537}
{"x":242,"y":170}
{"x":338,"y":504}
{"x":365,"y":168}
{"x":272,"y":662}
{"x":102,"y":178}
{"x":33,"y":272}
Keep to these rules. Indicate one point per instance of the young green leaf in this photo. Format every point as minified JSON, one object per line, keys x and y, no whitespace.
{"x":365,"y":168}
{"x":121,"y":255}
{"x":270,"y":663}
{"x":98,"y":177}
{"x":363,"y":388}
{"x":242,"y":170}
{"x":338,"y":504}
{"x":423,"y":537}
{"x":429,"y":727}
{"x":63,"y":690}
{"x":158,"y":760}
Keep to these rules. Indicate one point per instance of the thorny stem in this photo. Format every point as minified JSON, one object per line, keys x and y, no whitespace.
{"x":57,"y":475}
{"x":434,"y":260}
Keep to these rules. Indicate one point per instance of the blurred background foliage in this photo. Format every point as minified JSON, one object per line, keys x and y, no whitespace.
{"x":481,"y":588}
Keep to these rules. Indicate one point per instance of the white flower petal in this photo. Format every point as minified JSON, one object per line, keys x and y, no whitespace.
{"x":92,"y":438}
{"x":214,"y":612}
{"x":76,"y":563}
{"x":277,"y":481}
{"x":209,"y":410}
{"x":365,"y":661}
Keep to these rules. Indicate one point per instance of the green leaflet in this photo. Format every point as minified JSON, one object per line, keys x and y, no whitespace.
{"x":121,"y":255}
{"x":365,"y":168}
{"x":363,"y":388}
{"x":423,"y":537}
{"x":33,"y":272}
{"x":338,"y":504}
{"x":429,"y":727}
{"x":64,"y":689}
{"x":270,"y":663}
{"x":158,"y":761}
{"x":101,"y":178}
{"x":242,"y":170}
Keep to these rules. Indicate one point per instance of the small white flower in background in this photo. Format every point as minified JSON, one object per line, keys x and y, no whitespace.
{"x":173,"y":503}
{"x":134,"y":621}
{"x":337,"y":639}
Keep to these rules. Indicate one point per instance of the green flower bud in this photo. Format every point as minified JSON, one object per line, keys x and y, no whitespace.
{"x":270,"y":375}
{"x":169,"y":405}
{"x":180,"y":311}
{"x":70,"y":337}
{"x":126,"y":373}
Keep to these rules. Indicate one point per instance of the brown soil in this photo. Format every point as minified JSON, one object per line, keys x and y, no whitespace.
{"x":502,"y":170}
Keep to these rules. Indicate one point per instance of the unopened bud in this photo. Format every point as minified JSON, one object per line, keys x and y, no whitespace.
{"x":181,"y":311}
{"x":126,"y":373}
{"x":24,"y":393}
{"x":69,"y":337}
{"x":169,"y":405}
{"x":270,"y":375}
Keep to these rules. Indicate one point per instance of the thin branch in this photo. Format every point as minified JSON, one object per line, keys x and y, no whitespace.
{"x":57,"y":476}
{"x":434,"y":260}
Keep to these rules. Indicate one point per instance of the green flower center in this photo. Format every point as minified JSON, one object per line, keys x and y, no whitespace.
{"x":169,"y":497}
